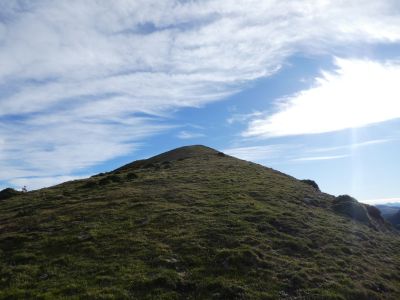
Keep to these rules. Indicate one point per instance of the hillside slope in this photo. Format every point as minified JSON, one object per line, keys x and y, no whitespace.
{"x":194,"y":223}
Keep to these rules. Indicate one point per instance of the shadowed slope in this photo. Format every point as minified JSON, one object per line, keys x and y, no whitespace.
{"x":395,"y":220}
{"x":192,"y":224}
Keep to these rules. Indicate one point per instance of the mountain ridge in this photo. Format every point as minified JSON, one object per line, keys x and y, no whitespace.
{"x":194,"y":223}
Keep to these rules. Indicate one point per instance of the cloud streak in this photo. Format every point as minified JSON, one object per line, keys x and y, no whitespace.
{"x":186,"y":135}
{"x":266,"y":154}
{"x":82,"y":82}
{"x":316,"y":158}
{"x":354,"y":146}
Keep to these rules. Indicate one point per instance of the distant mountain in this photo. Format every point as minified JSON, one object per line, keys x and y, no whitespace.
{"x":391,"y":213}
{"x":194,"y":223}
{"x":387,"y":210}
{"x":395,"y":219}
{"x":395,"y":204}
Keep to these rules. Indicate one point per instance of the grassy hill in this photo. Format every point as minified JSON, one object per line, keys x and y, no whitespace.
{"x":194,"y":223}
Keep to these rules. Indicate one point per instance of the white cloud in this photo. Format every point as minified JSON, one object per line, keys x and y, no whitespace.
{"x":277,"y":154}
{"x":295,"y":153}
{"x":381,"y":201}
{"x":185,"y":135}
{"x":81,"y":75}
{"x":260,"y":153}
{"x":241,"y":118}
{"x":358,"y":93}
{"x":314,"y":158}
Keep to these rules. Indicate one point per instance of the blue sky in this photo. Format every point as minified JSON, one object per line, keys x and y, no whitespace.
{"x":310,"y":88}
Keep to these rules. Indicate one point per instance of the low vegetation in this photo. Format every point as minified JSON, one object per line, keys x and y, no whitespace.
{"x":193,"y":224}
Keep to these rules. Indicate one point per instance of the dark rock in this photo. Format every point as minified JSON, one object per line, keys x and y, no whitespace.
{"x":374,"y":213}
{"x":311,"y":183}
{"x":350,"y":207}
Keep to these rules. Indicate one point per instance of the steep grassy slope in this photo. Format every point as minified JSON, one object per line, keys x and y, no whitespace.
{"x":192,"y":224}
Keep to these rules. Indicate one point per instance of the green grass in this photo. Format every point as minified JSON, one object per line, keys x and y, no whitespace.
{"x":191,"y":224}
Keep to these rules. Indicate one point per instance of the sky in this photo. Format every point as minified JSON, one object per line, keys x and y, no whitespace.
{"x":310,"y":88}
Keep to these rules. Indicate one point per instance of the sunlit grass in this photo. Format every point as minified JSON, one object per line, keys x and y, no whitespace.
{"x":205,"y":227}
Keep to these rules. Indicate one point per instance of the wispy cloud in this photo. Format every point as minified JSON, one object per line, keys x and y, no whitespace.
{"x":242,"y":118}
{"x":292,"y":153}
{"x":358,"y":93}
{"x":352,"y":146}
{"x":260,"y":153}
{"x":84,"y":81}
{"x":185,"y":135}
{"x":314,"y":158}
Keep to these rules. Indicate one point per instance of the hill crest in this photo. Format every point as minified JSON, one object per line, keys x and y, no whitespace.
{"x":172,"y":155}
{"x":193,"y":223}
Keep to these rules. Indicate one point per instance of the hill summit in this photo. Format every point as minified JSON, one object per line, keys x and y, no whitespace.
{"x":194,"y":223}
